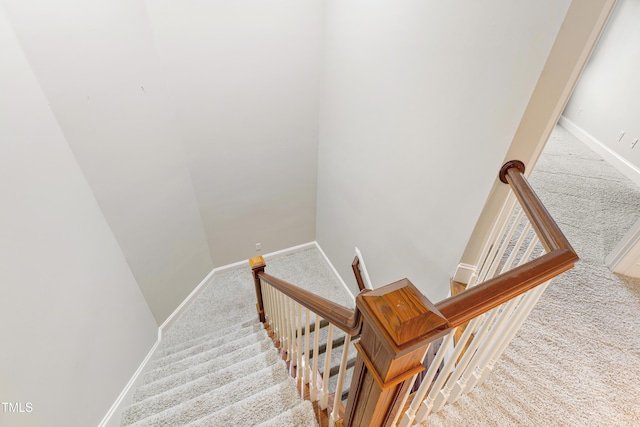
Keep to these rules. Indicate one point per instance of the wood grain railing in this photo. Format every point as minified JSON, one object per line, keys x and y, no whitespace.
{"x":344,"y":318}
{"x":291,"y":315}
{"x":398,"y":323}
{"x":561,"y":256}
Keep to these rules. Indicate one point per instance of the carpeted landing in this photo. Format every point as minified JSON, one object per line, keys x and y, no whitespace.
{"x":576,"y":360}
{"x":217,"y":366}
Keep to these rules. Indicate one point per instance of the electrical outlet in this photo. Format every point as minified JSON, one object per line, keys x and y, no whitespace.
{"x":258,"y":246}
{"x":633,"y":144}
{"x":621,"y":135}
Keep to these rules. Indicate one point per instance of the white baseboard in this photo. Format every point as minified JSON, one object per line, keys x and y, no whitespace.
{"x":463,"y":273}
{"x":107,"y":420}
{"x":625,"y":256}
{"x":614,"y":159}
{"x":291,"y":250}
{"x":194,"y":293}
{"x":217,"y":270}
{"x":326,"y":258}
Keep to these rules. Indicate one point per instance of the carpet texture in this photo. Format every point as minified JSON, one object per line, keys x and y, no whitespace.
{"x":576,"y":360}
{"x":217,"y":366}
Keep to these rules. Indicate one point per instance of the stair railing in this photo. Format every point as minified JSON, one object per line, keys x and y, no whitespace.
{"x":291,"y":314}
{"x":470,"y":350}
{"x":525,"y":250}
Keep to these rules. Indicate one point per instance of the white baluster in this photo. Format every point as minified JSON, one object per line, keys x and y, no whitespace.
{"x":495,"y":262}
{"x":501,"y":325}
{"x":264,"y":288}
{"x":273,"y":308}
{"x":479,"y":359}
{"x":448,"y":368}
{"x":412,"y":412}
{"x":484,"y":345}
{"x":512,"y":256}
{"x":444,"y":394}
{"x":497,"y":232}
{"x":287,"y":326}
{"x":453,"y":389}
{"x":282,"y":336}
{"x":307,"y":332}
{"x":324,"y":401}
{"x":292,"y":332}
{"x":269,"y":307}
{"x":521,"y":315}
{"x":299,"y":367}
{"x":337,"y":400}
{"x":314,"y":371}
{"x":274,"y":314}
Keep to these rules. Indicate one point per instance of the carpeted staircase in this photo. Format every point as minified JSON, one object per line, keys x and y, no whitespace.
{"x":231,"y":377}
{"x":218,"y":366}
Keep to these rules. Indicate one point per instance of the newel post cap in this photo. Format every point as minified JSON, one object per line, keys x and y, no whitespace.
{"x":257,"y":263}
{"x":402,"y":315}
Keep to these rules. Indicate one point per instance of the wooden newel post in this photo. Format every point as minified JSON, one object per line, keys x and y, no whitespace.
{"x":398,"y":325}
{"x":257,"y":265}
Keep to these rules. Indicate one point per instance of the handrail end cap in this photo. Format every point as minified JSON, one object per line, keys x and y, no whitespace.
{"x":508,"y":165}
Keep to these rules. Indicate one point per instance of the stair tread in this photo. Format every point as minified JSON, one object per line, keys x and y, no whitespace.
{"x":181,"y":332}
{"x":204,"y":384}
{"x":163,"y":383}
{"x":255,"y":409}
{"x":220,"y":399}
{"x":301,"y":415}
{"x":202,"y":357}
{"x":205,"y":346}
{"x":167,"y":348}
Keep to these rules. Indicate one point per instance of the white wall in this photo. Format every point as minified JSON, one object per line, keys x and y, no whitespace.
{"x":197,"y":157}
{"x":420,"y":103}
{"x":576,"y":39}
{"x":75,"y":325}
{"x":244,"y":76}
{"x":606,"y":99}
{"x":97,"y":64}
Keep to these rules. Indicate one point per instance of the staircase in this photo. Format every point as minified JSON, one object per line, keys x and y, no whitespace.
{"x":217,"y":365}
{"x":231,"y":377}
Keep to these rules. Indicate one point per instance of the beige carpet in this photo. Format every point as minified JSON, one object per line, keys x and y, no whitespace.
{"x":576,"y":361}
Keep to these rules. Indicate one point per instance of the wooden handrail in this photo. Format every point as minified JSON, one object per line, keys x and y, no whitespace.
{"x":550,"y":235}
{"x":347,"y":319}
{"x":479,"y":299}
{"x":398,"y":322}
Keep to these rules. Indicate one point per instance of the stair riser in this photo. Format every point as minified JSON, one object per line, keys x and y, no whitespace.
{"x":198,"y":386}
